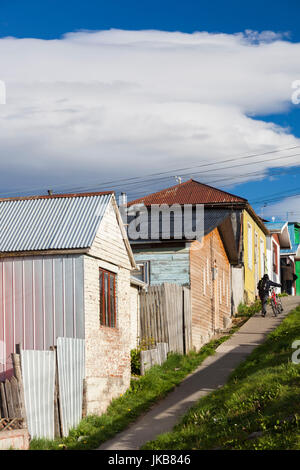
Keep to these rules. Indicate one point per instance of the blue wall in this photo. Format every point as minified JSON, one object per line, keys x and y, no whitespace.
{"x":166,"y":264}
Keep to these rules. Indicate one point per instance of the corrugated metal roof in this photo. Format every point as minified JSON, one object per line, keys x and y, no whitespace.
{"x":189,"y":192}
{"x":51,"y":222}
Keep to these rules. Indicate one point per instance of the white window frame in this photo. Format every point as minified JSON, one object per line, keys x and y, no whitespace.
{"x":262,"y":256}
{"x":250,"y":246}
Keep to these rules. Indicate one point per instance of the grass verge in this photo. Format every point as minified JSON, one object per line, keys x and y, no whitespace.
{"x":259,"y":407}
{"x":148,"y":389}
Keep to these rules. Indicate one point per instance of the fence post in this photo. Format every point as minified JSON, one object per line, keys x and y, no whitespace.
{"x":18,"y":374}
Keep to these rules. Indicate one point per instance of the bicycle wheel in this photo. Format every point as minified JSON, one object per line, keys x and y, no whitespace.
{"x":274,"y":307}
{"x":279,"y":304}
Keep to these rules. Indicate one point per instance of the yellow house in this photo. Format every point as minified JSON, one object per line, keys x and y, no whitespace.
{"x":255,"y":252}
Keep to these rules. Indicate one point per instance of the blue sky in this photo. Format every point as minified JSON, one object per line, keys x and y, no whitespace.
{"x":50,"y":20}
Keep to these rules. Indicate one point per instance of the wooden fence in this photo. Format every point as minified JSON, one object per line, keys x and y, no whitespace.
{"x":166,"y":316}
{"x":154,"y":356}
{"x":12,"y":406}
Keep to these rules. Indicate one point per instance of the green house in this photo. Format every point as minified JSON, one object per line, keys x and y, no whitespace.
{"x":294,"y":252}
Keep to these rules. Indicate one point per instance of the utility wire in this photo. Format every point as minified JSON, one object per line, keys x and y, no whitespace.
{"x":150,"y":176}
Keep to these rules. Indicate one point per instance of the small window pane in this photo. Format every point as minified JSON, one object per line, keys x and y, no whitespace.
{"x":107,"y":298}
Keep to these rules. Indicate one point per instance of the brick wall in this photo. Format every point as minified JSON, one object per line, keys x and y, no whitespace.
{"x":211,"y":303}
{"x":107,"y":349}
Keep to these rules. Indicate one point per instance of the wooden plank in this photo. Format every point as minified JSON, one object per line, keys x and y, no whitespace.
{"x":145,"y":361}
{"x":18,"y":374}
{"x":9,"y":399}
{"x":84,"y":399}
{"x":3,"y":401}
{"x":57,"y":420}
{"x":187,"y":319}
{"x":15,"y":397}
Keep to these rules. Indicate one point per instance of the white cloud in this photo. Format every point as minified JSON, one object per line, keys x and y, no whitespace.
{"x":287,"y":209}
{"x":120,"y":103}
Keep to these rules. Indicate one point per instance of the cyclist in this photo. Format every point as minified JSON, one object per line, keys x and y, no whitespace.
{"x":263,"y":290}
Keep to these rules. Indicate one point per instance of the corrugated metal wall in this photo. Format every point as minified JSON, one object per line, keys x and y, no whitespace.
{"x":38,"y":371}
{"x":41,"y":298}
{"x":71,"y":372}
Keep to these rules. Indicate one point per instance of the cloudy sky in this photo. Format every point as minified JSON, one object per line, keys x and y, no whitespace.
{"x":93,"y":104}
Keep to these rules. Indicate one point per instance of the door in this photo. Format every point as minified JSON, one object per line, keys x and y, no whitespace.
{"x":298,"y":280}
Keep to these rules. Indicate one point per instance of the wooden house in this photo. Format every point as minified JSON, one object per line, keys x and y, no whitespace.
{"x":249,"y":231}
{"x":290,"y":261}
{"x":279,"y":239}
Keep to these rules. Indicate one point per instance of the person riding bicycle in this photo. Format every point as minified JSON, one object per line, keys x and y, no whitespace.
{"x":263,"y":290}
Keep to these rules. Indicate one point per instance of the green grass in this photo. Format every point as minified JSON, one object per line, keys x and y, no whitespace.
{"x":154,"y":385}
{"x":262,"y":396}
{"x":245,"y":310}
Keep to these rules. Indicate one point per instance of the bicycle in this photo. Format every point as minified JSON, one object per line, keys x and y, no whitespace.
{"x":276,"y":303}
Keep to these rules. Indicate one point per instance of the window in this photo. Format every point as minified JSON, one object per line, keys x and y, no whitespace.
{"x":108,"y":298}
{"x":262,"y":257}
{"x":275,"y":258}
{"x":143,"y":271}
{"x":250,"y":246}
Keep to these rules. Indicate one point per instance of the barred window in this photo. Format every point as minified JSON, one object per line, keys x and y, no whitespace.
{"x":108,"y":298}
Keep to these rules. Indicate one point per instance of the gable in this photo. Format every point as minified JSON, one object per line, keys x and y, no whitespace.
{"x":110,"y":243}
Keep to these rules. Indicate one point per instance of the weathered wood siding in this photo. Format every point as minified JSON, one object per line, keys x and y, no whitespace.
{"x":211,"y":303}
{"x":168,"y":264}
{"x":109,"y":244}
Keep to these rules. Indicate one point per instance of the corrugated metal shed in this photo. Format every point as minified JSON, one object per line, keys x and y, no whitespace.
{"x":51,"y":222}
{"x":189,"y":192}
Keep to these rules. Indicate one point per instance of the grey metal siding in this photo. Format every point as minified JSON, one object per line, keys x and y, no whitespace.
{"x":41,"y":298}
{"x":38,"y":371}
{"x":50,"y":224}
{"x":71,"y":372}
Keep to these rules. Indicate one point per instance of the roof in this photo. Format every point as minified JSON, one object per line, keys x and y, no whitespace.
{"x":281,"y":230}
{"x":213,"y":218}
{"x":189,"y":192}
{"x":56,"y":222}
{"x":275,"y":227}
{"x":295,"y":246}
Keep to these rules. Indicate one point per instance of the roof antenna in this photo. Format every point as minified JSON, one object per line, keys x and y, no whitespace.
{"x":178,"y":179}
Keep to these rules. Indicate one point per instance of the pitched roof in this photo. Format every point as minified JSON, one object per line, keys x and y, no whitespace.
{"x":56,"y":222}
{"x":189,"y":192}
{"x":294,"y":246}
{"x":275,"y":227}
